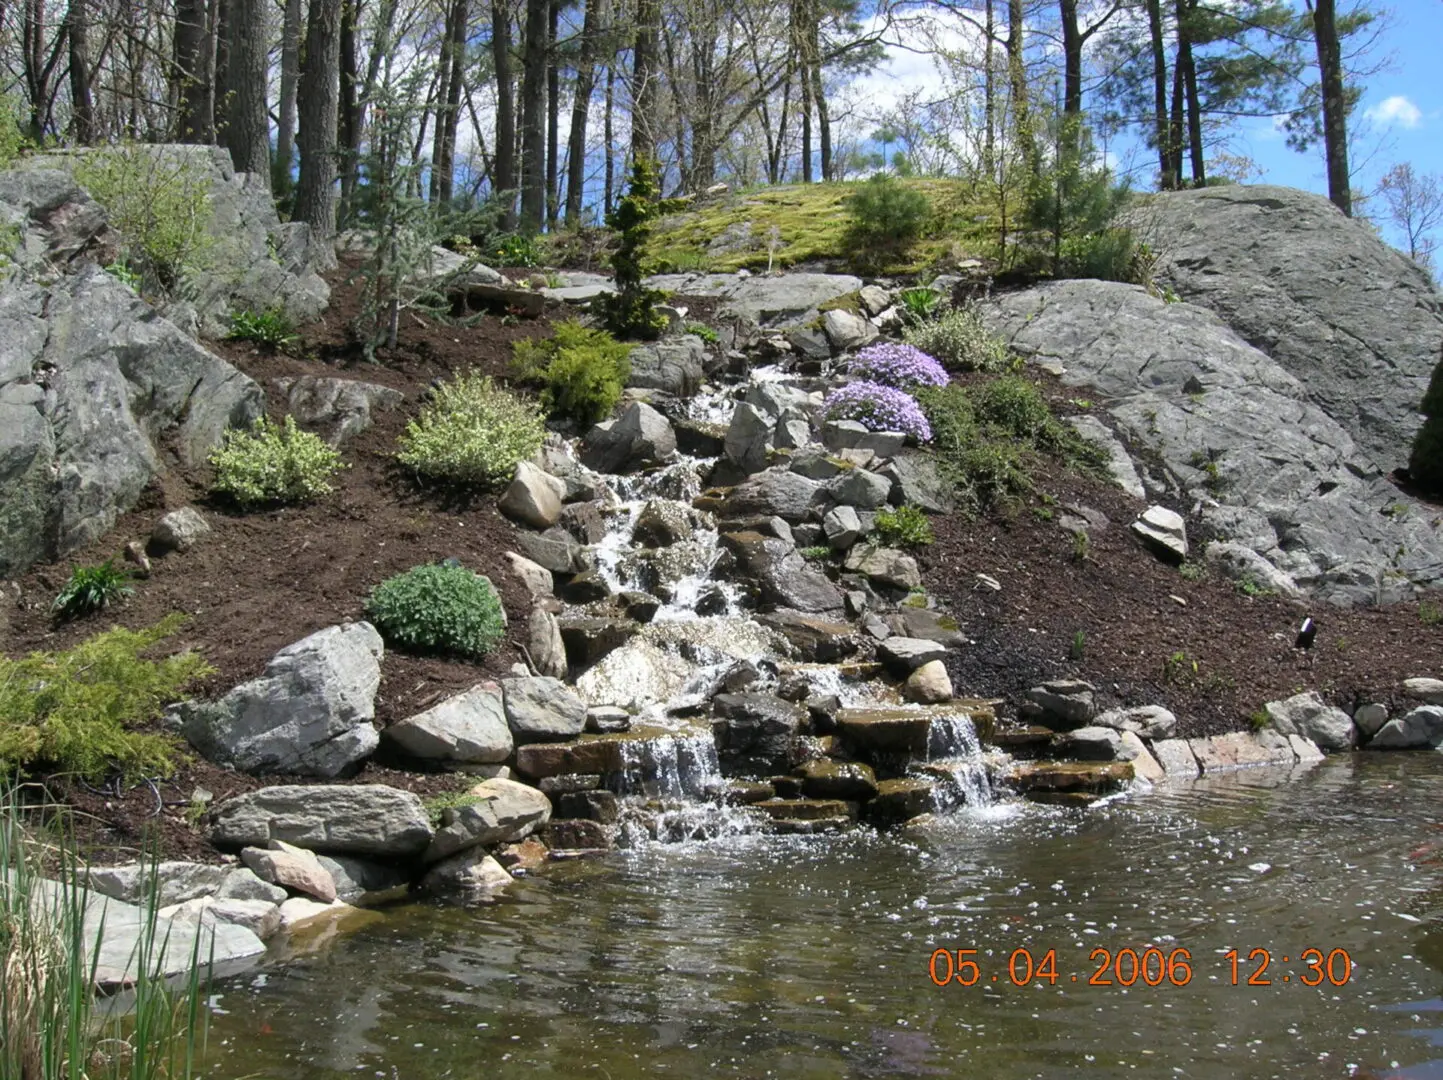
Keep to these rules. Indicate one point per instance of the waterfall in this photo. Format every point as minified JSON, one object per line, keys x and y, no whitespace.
{"x":675,"y":792}
{"x":954,"y":753}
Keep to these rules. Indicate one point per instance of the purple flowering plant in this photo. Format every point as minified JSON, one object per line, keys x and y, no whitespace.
{"x":894,"y":364}
{"x":878,"y":408}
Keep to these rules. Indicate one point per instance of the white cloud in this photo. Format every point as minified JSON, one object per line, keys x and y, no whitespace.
{"x":1396,"y":110}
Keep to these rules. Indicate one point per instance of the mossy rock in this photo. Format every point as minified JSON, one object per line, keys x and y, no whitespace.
{"x":849,"y":302}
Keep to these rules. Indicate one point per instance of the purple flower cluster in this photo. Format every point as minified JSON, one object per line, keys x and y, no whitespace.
{"x":894,"y":364}
{"x":878,"y":408}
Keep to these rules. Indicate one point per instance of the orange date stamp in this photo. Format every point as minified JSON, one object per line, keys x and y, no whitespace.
{"x":1148,"y":966}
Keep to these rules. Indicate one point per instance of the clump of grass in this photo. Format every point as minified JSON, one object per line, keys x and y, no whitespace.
{"x":438,"y":804}
{"x":905,"y":526}
{"x":1429,"y":613}
{"x":1192,"y":571}
{"x":51,"y":1027}
{"x":270,"y":327}
{"x":1081,"y":546}
{"x":92,"y":588}
{"x":1078,"y":649}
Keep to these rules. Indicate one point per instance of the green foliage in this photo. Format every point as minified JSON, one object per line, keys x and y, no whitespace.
{"x":985,"y":434}
{"x":270,"y":465}
{"x":1192,"y":571}
{"x":272,"y":328}
{"x":1178,"y":667}
{"x":960,"y":342}
{"x":884,"y":218}
{"x":631,"y":311}
{"x":75,"y":711}
{"x":1258,"y":719}
{"x":582,"y":372}
{"x":514,"y":249}
{"x":1078,"y":650}
{"x":92,"y":588}
{"x":472,"y":432}
{"x":817,"y":551}
{"x":12,"y":140}
{"x":399,"y":272}
{"x":1081,"y":546}
{"x":1429,"y":613}
{"x":438,"y":608}
{"x":906,"y":526}
{"x":920,"y":305}
{"x":1425,"y":464}
{"x":53,"y":1017}
{"x":703,"y":331}
{"x":121,"y":271}
{"x":1111,"y":254}
{"x":160,"y":203}
{"x":437,"y":805}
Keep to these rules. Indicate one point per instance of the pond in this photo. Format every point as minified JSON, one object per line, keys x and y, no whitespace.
{"x":763,"y":956}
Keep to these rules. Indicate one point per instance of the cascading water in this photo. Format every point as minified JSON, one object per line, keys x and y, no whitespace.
{"x":670,"y":780}
{"x":954,"y":751}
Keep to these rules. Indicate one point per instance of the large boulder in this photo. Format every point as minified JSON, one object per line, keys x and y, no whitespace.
{"x":533,"y":497}
{"x":780,"y":575}
{"x":1353,"y":320}
{"x":754,"y":732}
{"x":673,"y":366}
{"x":469,"y":728}
{"x":783,"y":301}
{"x":309,"y":713}
{"x":504,"y":811}
{"x":640,"y":439}
{"x":774,"y":493}
{"x":1273,"y":472}
{"x":542,"y":709}
{"x":336,"y":409}
{"x":97,"y":394}
{"x":370,"y":820}
{"x":1310,"y":716}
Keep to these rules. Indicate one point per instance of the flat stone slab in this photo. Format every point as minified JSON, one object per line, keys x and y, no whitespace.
{"x":1239,"y":750}
{"x":1085,"y":776}
{"x":579,"y":294}
{"x":1177,"y":759}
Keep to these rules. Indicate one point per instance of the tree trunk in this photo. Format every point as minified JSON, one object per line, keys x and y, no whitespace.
{"x":819,"y":97}
{"x":1335,"y":104}
{"x":448,"y":109}
{"x":1175,"y":124}
{"x":218,"y":80}
{"x":1167,"y":179}
{"x":643,"y":80}
{"x":1071,"y":78}
{"x":193,"y":123}
{"x":319,"y":90}
{"x":553,"y":117}
{"x":580,"y":107}
{"x":248,"y":128}
{"x":505,"y":106}
{"x":533,"y":117}
{"x":989,"y":93}
{"x":82,"y":104}
{"x":1017,"y":78}
{"x":286,"y":112}
{"x":1189,"y":77}
{"x":608,"y":136}
{"x":348,"y":109}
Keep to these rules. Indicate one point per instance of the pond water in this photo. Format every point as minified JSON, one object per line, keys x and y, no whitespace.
{"x":809,"y":957}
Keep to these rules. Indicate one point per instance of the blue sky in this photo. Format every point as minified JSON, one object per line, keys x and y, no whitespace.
{"x":1402,"y":109}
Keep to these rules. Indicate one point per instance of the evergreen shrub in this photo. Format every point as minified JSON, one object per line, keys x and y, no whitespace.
{"x":438,"y":609}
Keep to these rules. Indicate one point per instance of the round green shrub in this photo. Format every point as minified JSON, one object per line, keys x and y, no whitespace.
{"x":270,"y":465}
{"x":438,"y":608}
{"x":472,"y":432}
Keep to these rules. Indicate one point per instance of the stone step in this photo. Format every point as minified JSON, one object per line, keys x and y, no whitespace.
{"x":1095,"y":777}
{"x":598,"y":754}
{"x":1026,"y":741}
{"x":892,"y":730}
{"x":901,"y":800}
{"x":807,"y":809}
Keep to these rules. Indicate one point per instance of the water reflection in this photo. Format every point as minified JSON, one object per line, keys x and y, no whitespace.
{"x":808,"y":957}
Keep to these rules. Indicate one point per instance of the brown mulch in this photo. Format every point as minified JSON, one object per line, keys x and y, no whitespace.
{"x":263,"y":580}
{"x":1204,"y":649}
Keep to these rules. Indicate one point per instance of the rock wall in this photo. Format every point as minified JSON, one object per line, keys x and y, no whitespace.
{"x":1295,"y":500}
{"x":92,"y":379}
{"x":1358,"y":324}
